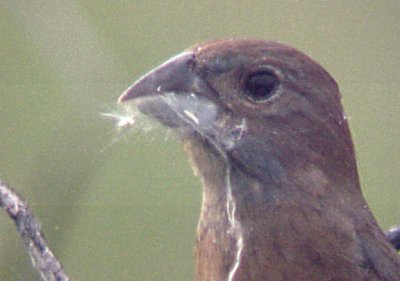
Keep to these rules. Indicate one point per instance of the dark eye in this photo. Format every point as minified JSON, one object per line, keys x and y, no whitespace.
{"x":261,"y":85}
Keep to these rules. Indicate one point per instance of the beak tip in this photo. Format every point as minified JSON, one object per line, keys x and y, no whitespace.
{"x":124,"y":96}
{"x":121,"y":99}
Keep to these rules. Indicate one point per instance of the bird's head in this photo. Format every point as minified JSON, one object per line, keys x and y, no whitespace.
{"x":265,"y":129}
{"x":268,"y":107}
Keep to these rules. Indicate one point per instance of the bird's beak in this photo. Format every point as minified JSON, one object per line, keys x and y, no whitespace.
{"x":174,"y":95}
{"x":177,"y":97}
{"x":175,"y":76}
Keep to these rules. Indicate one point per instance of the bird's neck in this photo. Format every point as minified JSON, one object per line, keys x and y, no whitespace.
{"x":250,"y":231}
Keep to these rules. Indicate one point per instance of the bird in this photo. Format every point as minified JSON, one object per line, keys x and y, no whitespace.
{"x":265,"y":131}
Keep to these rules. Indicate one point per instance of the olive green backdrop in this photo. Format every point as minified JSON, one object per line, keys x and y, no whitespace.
{"x":129,"y":212}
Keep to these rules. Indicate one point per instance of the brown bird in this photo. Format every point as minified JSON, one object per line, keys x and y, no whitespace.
{"x":265,"y":130}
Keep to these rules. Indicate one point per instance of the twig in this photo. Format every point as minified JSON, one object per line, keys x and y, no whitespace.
{"x":28,"y":228}
{"x":393,"y":236}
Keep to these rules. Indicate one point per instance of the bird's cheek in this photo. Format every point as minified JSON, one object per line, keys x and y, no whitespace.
{"x":256,"y":157}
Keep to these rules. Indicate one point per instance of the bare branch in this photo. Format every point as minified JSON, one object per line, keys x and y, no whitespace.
{"x":28,"y":228}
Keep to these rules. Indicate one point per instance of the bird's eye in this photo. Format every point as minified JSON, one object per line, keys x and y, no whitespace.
{"x":261,"y":85}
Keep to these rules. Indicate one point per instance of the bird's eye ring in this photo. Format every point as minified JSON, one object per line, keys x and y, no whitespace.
{"x":261,"y":85}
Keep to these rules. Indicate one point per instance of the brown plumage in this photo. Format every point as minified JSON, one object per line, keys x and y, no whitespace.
{"x":265,"y":131}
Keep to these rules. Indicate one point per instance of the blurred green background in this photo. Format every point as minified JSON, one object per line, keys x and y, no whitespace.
{"x":129,"y":212}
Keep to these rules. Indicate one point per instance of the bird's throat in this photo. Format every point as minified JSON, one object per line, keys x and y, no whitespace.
{"x":219,"y":234}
